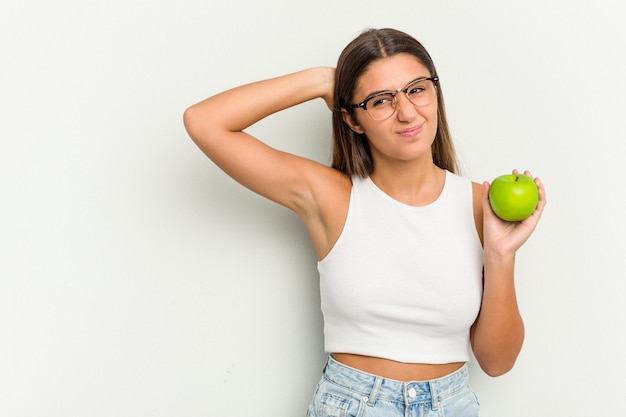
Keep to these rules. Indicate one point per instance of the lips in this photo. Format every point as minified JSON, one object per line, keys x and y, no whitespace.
{"x":411,"y":132}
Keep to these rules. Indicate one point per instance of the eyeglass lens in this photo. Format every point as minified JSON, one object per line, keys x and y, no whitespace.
{"x":382,"y":106}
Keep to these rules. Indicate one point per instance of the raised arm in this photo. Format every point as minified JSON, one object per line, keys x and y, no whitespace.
{"x":498,"y":333}
{"x":217,"y":126}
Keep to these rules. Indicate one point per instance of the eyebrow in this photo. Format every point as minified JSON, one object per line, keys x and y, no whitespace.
{"x":375,"y":93}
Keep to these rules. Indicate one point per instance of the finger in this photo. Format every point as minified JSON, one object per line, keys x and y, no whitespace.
{"x":534,"y":218}
{"x":542,"y":191}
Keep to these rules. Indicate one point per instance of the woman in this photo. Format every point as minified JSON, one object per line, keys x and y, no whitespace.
{"x":414,"y":266}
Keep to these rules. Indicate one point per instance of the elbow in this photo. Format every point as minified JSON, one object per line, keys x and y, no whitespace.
{"x":190,"y":121}
{"x":497,"y":370}
{"x":498,"y":362}
{"x":497,"y":356}
{"x":497,"y":365}
{"x":201,"y":125}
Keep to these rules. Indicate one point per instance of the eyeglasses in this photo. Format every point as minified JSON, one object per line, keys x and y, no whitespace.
{"x":382,"y":105}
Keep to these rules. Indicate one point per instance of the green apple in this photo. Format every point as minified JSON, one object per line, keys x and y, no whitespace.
{"x":513,"y":197}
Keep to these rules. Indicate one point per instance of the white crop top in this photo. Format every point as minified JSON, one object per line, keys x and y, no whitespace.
{"x":403,"y":282}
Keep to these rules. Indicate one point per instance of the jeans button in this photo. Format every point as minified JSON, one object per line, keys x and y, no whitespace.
{"x":412,"y":393}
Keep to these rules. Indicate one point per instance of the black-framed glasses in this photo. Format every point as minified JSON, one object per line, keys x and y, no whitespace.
{"x":382,"y":105}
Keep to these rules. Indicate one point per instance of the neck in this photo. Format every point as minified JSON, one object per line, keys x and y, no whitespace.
{"x":411,"y":184}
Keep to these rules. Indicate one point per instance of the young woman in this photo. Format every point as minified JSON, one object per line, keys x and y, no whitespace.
{"x":415,"y":268}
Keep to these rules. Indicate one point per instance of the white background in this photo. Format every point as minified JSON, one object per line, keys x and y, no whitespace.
{"x":136,"y":279}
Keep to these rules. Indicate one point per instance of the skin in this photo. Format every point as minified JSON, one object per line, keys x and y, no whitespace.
{"x":401,"y":145}
{"x":401,"y":149}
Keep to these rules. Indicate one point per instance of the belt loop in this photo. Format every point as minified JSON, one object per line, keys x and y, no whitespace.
{"x":371,"y":400}
{"x":434,"y":395}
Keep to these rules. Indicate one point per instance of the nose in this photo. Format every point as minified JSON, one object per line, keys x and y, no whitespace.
{"x":405,"y":110}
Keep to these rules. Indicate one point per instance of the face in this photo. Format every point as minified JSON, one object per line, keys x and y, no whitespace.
{"x":409,"y":133}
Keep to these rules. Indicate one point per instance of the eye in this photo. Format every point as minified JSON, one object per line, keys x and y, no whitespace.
{"x":415,"y":89}
{"x":380,"y":100}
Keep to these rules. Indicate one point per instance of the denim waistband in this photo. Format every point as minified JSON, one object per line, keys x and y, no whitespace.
{"x":373,"y":387}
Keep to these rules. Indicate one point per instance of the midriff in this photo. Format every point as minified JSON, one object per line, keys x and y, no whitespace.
{"x":398,"y":371}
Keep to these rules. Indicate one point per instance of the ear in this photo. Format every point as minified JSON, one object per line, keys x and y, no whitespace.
{"x":351,"y":122}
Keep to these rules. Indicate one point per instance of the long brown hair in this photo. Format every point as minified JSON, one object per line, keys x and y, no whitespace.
{"x":351,"y":151}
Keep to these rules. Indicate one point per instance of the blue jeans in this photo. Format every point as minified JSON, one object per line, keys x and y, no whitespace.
{"x":347,"y":392}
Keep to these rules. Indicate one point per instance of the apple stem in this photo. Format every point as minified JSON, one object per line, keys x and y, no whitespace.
{"x":516,"y":178}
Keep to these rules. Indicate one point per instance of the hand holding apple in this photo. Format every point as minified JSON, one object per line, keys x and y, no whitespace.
{"x":513,"y":197}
